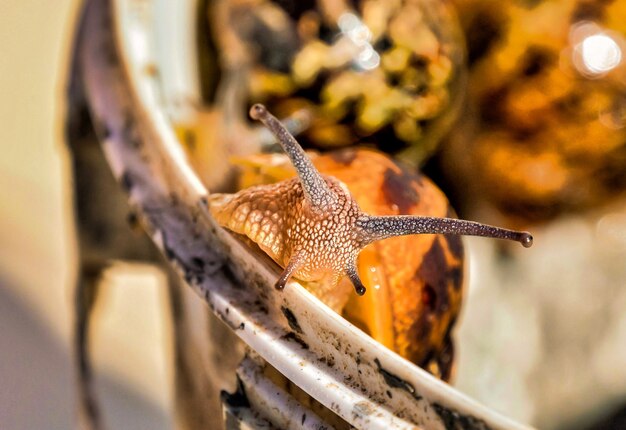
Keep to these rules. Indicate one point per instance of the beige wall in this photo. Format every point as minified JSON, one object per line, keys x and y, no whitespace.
{"x":34,"y":235}
{"x":37,"y":249}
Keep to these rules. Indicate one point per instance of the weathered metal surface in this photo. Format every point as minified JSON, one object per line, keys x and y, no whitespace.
{"x":357,"y":378}
{"x":271,"y":401}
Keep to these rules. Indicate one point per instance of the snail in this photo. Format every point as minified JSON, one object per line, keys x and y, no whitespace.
{"x":312,"y":226}
{"x":314,"y":229}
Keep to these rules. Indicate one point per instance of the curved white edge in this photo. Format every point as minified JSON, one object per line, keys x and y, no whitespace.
{"x":273,"y":402}
{"x":132,"y":23}
{"x":179,"y":77}
{"x":337,"y":364}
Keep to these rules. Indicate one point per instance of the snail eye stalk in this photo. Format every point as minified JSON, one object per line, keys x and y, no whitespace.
{"x":381,"y":227}
{"x":315,"y":188}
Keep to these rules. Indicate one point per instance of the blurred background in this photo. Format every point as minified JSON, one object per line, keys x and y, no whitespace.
{"x":35,"y":220}
{"x":525,"y":126}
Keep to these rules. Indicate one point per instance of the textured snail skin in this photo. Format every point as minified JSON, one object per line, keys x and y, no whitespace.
{"x":318,"y":245}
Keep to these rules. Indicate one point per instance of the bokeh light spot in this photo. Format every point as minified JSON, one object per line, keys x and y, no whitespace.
{"x":600,"y":54}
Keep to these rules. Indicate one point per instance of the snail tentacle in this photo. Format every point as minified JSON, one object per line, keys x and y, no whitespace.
{"x":381,"y":227}
{"x":316,"y":191}
{"x":296,"y":124}
{"x":293,"y":265}
{"x":353,"y":274}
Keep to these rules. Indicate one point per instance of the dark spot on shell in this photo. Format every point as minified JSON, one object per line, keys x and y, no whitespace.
{"x":291,"y":319}
{"x":453,"y":420}
{"x":485,"y":30}
{"x":455,"y":245}
{"x":536,"y":60}
{"x":438,"y":275}
{"x":396,"y":382}
{"x":384,"y":43}
{"x":429,"y":297}
{"x":344,"y":157}
{"x":295,"y":9}
{"x":445,"y":358}
{"x":438,"y":278}
{"x":398,"y":189}
{"x":303,"y":419}
{"x":418,"y":61}
{"x":242,"y":326}
{"x":295,"y":338}
{"x":456,"y":277}
{"x":275,"y":46}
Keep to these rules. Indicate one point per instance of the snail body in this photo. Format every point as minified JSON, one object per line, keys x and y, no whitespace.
{"x":280,"y":221}
{"x":314,"y":228}
{"x":415,"y":283}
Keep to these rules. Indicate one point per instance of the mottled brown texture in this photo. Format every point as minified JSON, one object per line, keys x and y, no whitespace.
{"x":543,"y":134}
{"x":300,"y":62}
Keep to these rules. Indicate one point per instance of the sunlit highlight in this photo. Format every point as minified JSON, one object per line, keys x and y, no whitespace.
{"x":596,"y":51}
{"x":353,"y":28}
{"x":600,"y":53}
